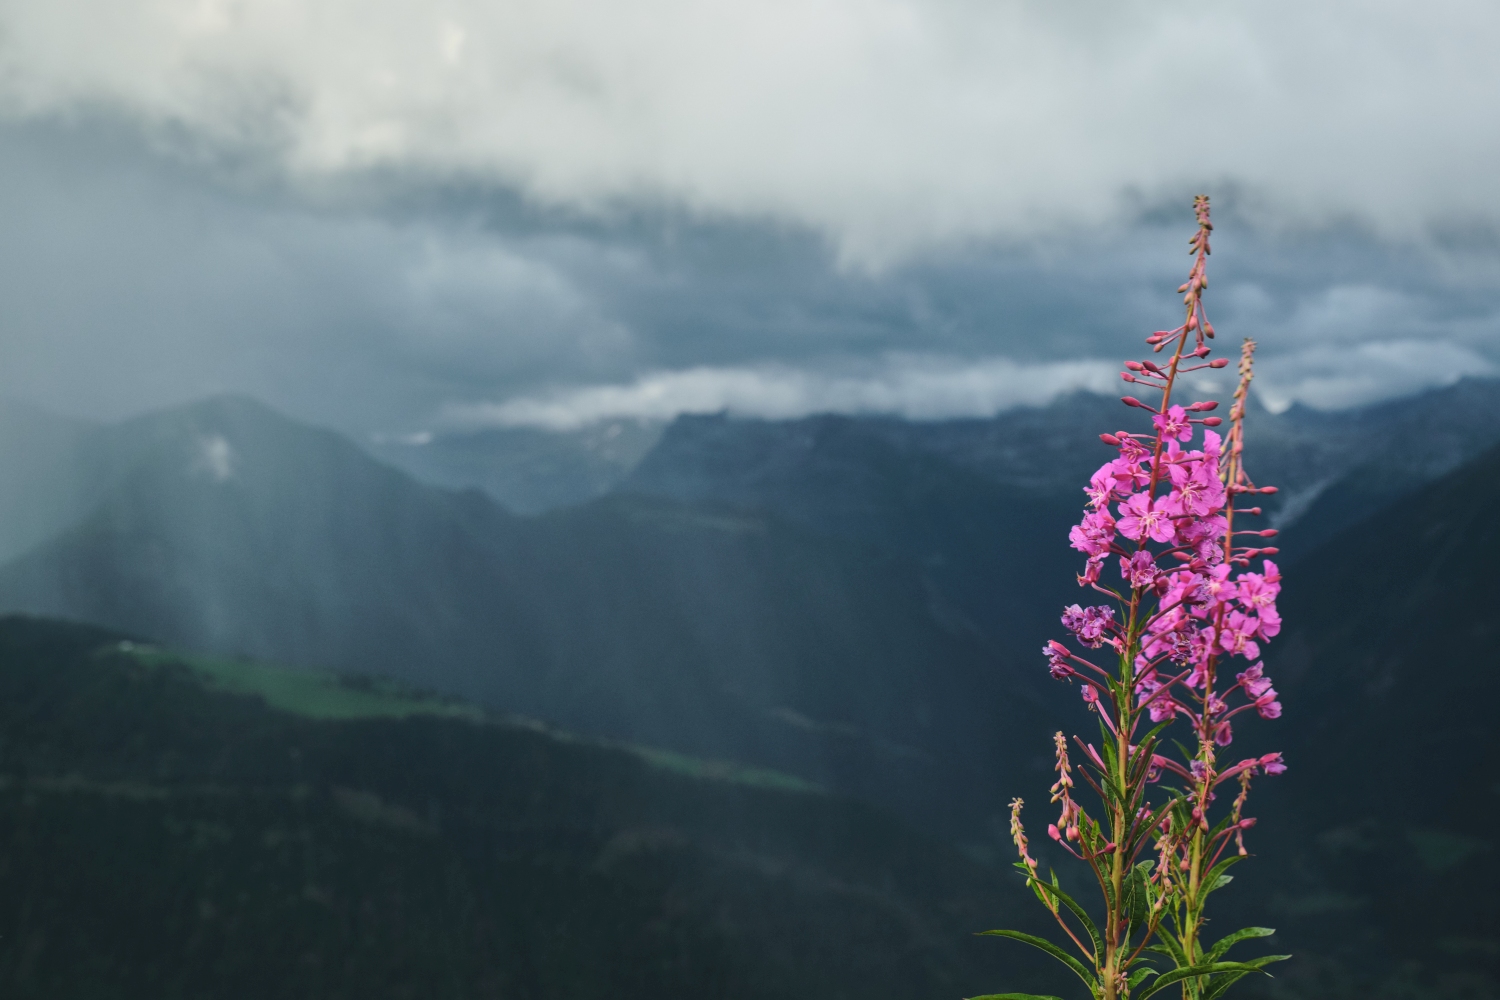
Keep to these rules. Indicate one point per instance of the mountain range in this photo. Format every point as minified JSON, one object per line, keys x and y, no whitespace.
{"x":172,"y":827}
{"x":849,"y":602}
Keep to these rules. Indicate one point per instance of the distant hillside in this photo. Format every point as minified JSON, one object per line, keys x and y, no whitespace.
{"x":1047,"y":453}
{"x":1381,"y":840}
{"x":232,"y":530}
{"x":171,"y":828}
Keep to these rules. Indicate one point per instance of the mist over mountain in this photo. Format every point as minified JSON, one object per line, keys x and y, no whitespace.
{"x":239,"y":532}
{"x":528,"y":470}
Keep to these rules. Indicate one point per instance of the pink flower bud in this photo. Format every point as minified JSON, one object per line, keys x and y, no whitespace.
{"x":1053,"y":831}
{"x":1212,"y":421}
{"x":1210,"y":404}
{"x":1109,"y":439}
{"x":1131,"y":401}
{"x":1134,"y":366}
{"x":1219,"y":363}
{"x":1267,"y":489}
{"x":1127,"y":377}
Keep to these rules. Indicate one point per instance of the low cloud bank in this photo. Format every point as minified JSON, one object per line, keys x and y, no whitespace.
{"x":919,"y":388}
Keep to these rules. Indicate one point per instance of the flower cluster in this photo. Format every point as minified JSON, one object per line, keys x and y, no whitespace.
{"x":1164,"y":509}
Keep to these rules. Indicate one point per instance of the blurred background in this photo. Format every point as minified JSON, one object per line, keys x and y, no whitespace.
{"x":564,"y":500}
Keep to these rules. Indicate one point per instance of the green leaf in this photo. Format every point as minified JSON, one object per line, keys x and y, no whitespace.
{"x":1137,"y":902}
{"x":1078,"y":911}
{"x":1222,"y":983}
{"x":1206,"y":969}
{"x":1228,"y":979}
{"x":1139,"y":976}
{"x":1230,"y":940}
{"x":1049,"y":948}
{"x":1216,"y":879}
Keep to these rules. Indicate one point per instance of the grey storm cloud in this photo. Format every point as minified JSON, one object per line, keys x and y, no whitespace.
{"x":383,"y":213}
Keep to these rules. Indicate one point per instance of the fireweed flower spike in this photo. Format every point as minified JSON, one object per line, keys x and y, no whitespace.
{"x":1189,"y":609}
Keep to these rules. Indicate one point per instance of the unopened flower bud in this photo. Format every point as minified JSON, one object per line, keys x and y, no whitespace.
{"x":1134,"y":366}
{"x":1207,"y":404}
{"x":1131,"y":401}
{"x":1271,"y":551}
{"x":1267,"y":489}
{"x":1219,"y":363}
{"x":1109,"y":439}
{"x":1127,"y":377}
{"x":1212,"y":421}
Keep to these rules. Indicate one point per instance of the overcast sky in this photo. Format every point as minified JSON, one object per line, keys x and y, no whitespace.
{"x":389,"y":215}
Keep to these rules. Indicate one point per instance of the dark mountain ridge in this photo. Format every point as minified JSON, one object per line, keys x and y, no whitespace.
{"x":233,"y":530}
{"x":162,"y":837}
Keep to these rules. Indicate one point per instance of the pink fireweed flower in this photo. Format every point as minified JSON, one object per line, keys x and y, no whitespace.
{"x":1203,"y":537}
{"x":1258,"y":591}
{"x":1090,"y":572}
{"x":1139,"y":570}
{"x":1272,"y":763}
{"x":1270,"y":623}
{"x":1158,"y":702}
{"x":1142,"y":518}
{"x":1132,"y":451}
{"x":1090,"y":625}
{"x":1198,"y":491}
{"x":1213,"y":445}
{"x":1217,"y":587}
{"x":1101,"y":487}
{"x":1267,"y":705}
{"x":1254,"y":680}
{"x":1238,"y":635}
{"x":1057,"y":662}
{"x":1092,"y":536}
{"x":1174,"y":424}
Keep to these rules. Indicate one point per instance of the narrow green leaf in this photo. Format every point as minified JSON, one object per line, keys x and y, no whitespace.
{"x":1049,"y":948}
{"x":1194,"y":971}
{"x":1223,"y":982}
{"x":1137,"y":903}
{"x":1230,"y":940}
{"x":1214,"y":874}
{"x":1095,"y":937}
{"x":1218,"y":883}
{"x":1139,"y":976}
